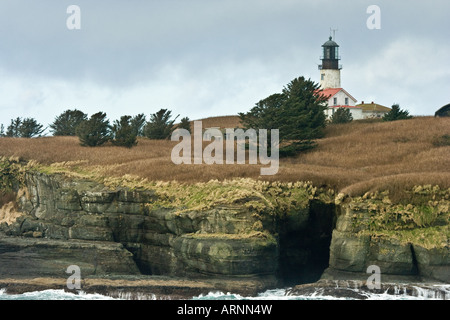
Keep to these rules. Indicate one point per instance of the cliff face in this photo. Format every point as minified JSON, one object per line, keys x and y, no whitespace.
{"x":407,"y":240}
{"x":117,"y":231}
{"x":64,"y":222}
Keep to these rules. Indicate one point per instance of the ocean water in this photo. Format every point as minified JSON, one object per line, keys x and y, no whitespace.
{"x":280,"y":294}
{"x":274,"y":294}
{"x":52,"y":295}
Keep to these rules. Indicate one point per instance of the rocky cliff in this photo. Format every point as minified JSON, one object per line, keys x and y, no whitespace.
{"x":405,"y":239}
{"x":242,"y":235}
{"x":255,"y":232}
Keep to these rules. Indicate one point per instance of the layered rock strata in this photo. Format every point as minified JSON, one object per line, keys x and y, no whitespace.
{"x":237,"y":246}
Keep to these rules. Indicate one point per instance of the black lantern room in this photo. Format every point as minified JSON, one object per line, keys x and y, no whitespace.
{"x":330,"y":58}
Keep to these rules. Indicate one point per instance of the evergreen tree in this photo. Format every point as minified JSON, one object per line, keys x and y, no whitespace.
{"x":2,"y":131}
{"x":26,"y":128}
{"x":123,"y":133}
{"x":396,"y":114}
{"x":160,"y":126}
{"x":14,"y":128}
{"x":95,"y":131}
{"x":298,"y":113}
{"x":137,"y":123}
{"x":67,"y":122}
{"x":342,"y":115}
{"x":30,"y":128}
{"x":264,"y":114}
{"x":185,"y":123}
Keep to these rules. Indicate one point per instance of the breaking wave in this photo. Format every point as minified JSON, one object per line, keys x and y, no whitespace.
{"x":432,"y":292}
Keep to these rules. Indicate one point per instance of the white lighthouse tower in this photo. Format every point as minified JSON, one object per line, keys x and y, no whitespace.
{"x":330,"y":70}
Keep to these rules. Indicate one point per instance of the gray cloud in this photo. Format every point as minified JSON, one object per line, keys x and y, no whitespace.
{"x":209,"y":57}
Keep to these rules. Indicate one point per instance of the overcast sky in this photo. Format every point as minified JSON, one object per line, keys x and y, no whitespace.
{"x":202,"y":58}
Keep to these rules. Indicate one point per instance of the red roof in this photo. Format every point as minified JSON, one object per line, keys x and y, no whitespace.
{"x":330,"y":92}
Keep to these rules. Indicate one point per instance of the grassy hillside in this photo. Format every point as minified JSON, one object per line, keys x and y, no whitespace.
{"x":222,"y":122}
{"x":355,"y":158}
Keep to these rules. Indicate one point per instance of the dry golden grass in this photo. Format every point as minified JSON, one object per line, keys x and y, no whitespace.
{"x":222,"y":122}
{"x":354,"y":158}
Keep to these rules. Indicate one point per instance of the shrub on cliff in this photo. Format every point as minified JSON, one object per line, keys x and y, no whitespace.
{"x":24,"y":128}
{"x":137,"y":123}
{"x":396,"y":114}
{"x":185,"y":123}
{"x":95,"y":131}
{"x":441,"y":141}
{"x":67,"y":122}
{"x":342,"y":115}
{"x":123,"y":133}
{"x":160,"y":126}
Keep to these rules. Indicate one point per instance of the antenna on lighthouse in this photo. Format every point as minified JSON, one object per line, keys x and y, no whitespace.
{"x":334,"y":33}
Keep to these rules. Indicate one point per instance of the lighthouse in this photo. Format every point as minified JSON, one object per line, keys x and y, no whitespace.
{"x":330,"y":70}
{"x":338,"y":97}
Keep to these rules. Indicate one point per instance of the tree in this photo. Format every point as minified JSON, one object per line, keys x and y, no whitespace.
{"x":263,"y":114}
{"x":13,"y":129}
{"x":30,"y":128}
{"x":67,"y":122}
{"x":298,"y":113}
{"x":160,"y":126}
{"x":123,"y":133}
{"x":2,"y":131}
{"x":95,"y":131}
{"x":137,"y":123}
{"x":396,"y":114}
{"x":26,"y":128}
{"x":185,"y":123}
{"x":342,"y":115}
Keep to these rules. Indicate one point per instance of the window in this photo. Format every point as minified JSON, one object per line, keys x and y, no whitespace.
{"x":335,"y":101}
{"x":327,"y":53}
{"x":346,"y":101}
{"x":322,"y":76}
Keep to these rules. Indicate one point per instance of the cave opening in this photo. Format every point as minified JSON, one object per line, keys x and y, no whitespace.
{"x":304,"y":249}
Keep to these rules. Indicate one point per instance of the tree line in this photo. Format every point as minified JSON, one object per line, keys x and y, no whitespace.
{"x":97,"y":130}
{"x":297,"y":112}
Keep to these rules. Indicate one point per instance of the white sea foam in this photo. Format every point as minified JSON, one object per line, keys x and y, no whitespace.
{"x":421,"y":293}
{"x":273,"y":294}
{"x":432,"y":292}
{"x":52,"y":295}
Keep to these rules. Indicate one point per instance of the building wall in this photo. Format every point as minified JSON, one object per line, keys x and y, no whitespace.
{"x":340,"y":100}
{"x":373,"y":114}
{"x":357,"y":113}
{"x":329,"y":112}
{"x":331,"y":78}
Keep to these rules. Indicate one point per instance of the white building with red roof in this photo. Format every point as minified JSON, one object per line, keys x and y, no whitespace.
{"x":339,"y":98}
{"x":330,"y":84}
